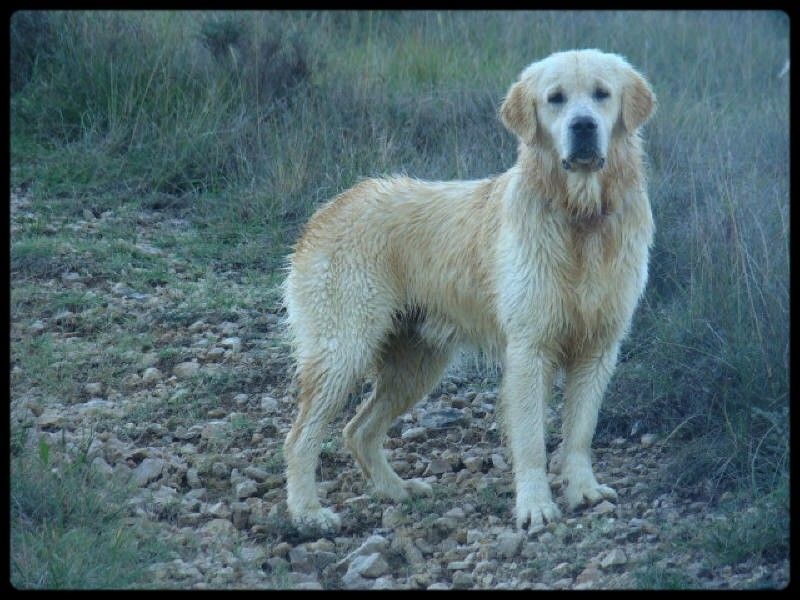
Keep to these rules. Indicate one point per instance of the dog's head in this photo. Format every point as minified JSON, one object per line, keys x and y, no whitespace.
{"x":576,"y":103}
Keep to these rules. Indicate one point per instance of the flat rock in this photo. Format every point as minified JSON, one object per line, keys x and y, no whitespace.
{"x":246,"y":488}
{"x":509,"y":544}
{"x":152,"y":375}
{"x":442,"y":418}
{"x":462,"y":580}
{"x":414,"y":433}
{"x":148,"y":470}
{"x":369,"y":566}
{"x":300,"y":559}
{"x":185,"y":370}
{"x":438,"y":466}
{"x":218,"y":527}
{"x":615,"y":556}
{"x":648,"y":439}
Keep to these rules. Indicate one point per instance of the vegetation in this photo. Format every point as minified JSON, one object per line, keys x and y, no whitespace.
{"x":68,"y":529}
{"x":240,"y":124}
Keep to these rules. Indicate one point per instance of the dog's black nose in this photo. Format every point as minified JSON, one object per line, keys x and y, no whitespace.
{"x":583,"y":126}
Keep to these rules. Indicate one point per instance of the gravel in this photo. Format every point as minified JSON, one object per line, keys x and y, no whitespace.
{"x":208,"y":470}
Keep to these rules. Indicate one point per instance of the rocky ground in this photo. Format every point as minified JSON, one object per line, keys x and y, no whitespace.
{"x":197,"y":433}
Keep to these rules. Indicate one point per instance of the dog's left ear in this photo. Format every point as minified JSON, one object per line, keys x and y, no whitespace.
{"x":638,"y":101}
{"x":518,"y":113}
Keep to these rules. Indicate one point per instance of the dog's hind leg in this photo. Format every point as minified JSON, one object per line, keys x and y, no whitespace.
{"x":409,"y":368}
{"x":323,"y":393}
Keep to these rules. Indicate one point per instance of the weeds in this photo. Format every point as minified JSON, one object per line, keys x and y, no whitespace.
{"x":67,"y":528}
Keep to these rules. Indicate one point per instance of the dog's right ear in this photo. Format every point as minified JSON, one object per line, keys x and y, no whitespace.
{"x":518,"y":113}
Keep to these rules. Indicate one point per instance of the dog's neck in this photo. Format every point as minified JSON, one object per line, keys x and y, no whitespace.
{"x":587,"y":198}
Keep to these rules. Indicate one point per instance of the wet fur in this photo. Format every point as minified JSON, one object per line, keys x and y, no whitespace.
{"x":540,"y":266}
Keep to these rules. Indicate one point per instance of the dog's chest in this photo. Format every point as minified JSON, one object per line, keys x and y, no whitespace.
{"x":598,"y":279}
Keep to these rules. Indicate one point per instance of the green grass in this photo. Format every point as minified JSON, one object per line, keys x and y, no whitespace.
{"x":752,"y":529}
{"x":233,"y":127}
{"x":68,"y":526}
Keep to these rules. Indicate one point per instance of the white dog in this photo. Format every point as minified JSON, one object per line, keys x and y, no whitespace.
{"x":544,"y":264}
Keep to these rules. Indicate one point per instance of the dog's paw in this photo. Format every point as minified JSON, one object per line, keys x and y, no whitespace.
{"x":322,"y":520}
{"x":587,"y":491}
{"x":417,"y":487}
{"x":534,"y":514}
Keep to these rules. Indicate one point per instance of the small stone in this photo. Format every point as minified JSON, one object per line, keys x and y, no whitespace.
{"x":648,"y":439}
{"x":473,"y":463}
{"x":446,"y":524}
{"x":185,"y":370}
{"x":215,"y":430}
{"x":37,"y":327}
{"x":499,"y":462}
{"x":152,"y":375}
{"x":218,"y":528}
{"x":307,"y":585}
{"x":196,"y":326}
{"x":241,"y":515}
{"x":148,"y":470}
{"x":604,"y":508}
{"x":392,"y":517}
{"x":405,"y":545}
{"x":71,"y":277}
{"x":616,"y":556}
{"x":269,"y":404}
{"x":370,"y":566}
{"x":246,"y":488}
{"x":456,"y":512}
{"x":130,"y":381}
{"x":219,"y":510}
{"x":281,"y":549}
{"x":321,"y":545}
{"x":256,"y":473}
{"x":443,"y":418}
{"x":374,"y":543}
{"x":414,"y":433}
{"x":101,"y":466}
{"x":233,"y":343}
{"x":353,"y":581}
{"x":462,"y":580}
{"x":190,"y":519}
{"x":252,"y":554}
{"x":508,"y":544}
{"x":193,"y":479}
{"x":301,"y":559}
{"x":93,"y":389}
{"x":439,"y":585}
{"x":588,"y":575}
{"x":438,"y":466}
{"x":384,"y":583}
{"x":474,"y":536}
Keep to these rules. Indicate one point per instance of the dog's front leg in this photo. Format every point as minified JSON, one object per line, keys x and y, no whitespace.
{"x":527,"y":379}
{"x":587,"y":379}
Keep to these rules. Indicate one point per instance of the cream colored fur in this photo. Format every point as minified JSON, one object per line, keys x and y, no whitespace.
{"x":543,"y":265}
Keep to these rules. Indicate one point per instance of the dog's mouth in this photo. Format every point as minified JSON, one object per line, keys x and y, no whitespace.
{"x":583,"y":161}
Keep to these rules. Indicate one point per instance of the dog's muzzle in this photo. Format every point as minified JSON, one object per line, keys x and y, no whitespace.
{"x":583,"y":145}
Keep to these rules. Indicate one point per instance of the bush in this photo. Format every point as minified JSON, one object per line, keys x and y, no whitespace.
{"x":31,"y":41}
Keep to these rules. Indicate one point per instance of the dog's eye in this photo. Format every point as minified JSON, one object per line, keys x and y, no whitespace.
{"x":556,"y":98}
{"x":600,"y":94}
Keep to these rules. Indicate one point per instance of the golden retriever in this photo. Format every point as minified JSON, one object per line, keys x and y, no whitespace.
{"x":544,"y":264}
